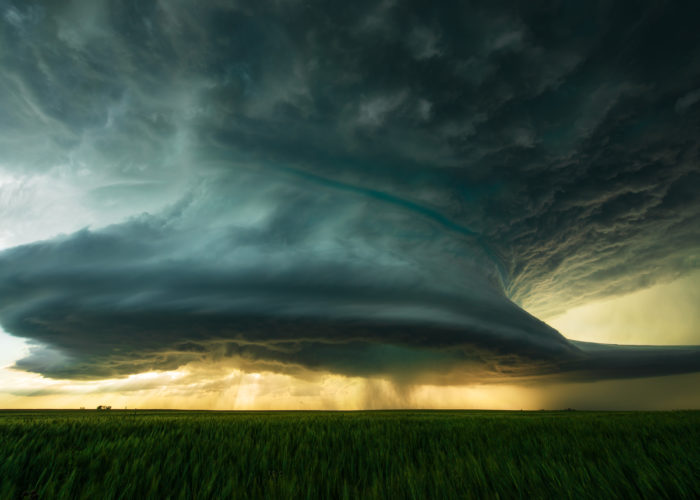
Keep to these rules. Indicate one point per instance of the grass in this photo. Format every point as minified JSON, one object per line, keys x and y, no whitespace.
{"x":392,"y":454}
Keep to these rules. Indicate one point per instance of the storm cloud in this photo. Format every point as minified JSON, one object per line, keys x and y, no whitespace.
{"x":365,"y":189}
{"x":313,"y":283}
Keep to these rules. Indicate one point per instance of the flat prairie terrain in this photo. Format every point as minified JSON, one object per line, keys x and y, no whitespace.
{"x":379,"y":454}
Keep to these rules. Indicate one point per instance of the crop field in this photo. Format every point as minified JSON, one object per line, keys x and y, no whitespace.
{"x":383,"y":454}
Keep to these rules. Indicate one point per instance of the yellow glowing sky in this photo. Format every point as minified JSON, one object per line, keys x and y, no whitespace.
{"x":664,"y":314}
{"x":236,"y":390}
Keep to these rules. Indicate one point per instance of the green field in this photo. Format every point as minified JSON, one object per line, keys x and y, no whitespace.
{"x":388,"y":454}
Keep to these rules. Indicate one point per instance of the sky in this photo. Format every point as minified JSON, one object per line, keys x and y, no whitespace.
{"x":358,"y":205}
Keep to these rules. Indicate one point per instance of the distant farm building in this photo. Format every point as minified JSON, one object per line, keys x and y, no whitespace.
{"x":103,"y":407}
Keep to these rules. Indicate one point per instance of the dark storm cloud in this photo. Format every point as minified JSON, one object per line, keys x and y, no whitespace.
{"x":369,"y":182}
{"x":322,"y":282}
{"x":158,"y":291}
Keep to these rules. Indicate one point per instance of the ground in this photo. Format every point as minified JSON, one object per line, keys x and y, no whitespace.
{"x":382,"y":454}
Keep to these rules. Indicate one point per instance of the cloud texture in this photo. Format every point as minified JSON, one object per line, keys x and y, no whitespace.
{"x":368,"y":189}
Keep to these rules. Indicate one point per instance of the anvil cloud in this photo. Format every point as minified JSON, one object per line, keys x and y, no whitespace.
{"x":373,"y":189}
